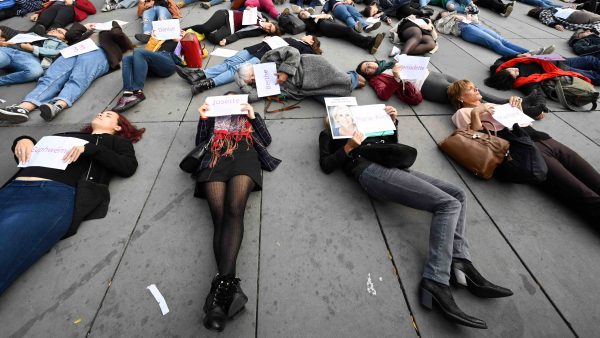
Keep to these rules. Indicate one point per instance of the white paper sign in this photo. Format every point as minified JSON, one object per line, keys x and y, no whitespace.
{"x":224,"y":52}
{"x":50,"y":150}
{"x":166,"y":29}
{"x":250,"y":16}
{"x":371,"y":20}
{"x":509,"y":115}
{"x":340,"y":117}
{"x":275,"y":42}
{"x":564,"y":13}
{"x":106,"y":26}
{"x":26,"y":38}
{"x":79,"y":48}
{"x":372,"y":119}
{"x":419,"y":22}
{"x":265,"y":75}
{"x":164,"y":308}
{"x":226,"y":105}
{"x":413,"y":67}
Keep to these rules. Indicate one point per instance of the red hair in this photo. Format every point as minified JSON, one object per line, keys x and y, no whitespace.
{"x":128,"y":130}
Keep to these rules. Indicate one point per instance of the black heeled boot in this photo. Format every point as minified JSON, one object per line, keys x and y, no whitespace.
{"x":191,"y":75}
{"x":464,"y":273}
{"x":441,"y":294}
{"x":199,"y":87}
{"x":225,"y":300}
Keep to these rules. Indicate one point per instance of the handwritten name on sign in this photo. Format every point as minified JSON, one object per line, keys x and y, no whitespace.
{"x":166,"y":29}
{"x":413,"y":67}
{"x":226,"y":105}
{"x":50,"y":150}
{"x":265,"y":75}
{"x":82,"y":47}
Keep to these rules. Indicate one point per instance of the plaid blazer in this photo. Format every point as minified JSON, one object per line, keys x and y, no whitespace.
{"x":260,"y":137}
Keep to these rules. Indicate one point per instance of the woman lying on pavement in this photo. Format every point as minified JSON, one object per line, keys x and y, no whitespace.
{"x":40,"y":206}
{"x":574,"y":21}
{"x":226,"y":176}
{"x":568,"y":177}
{"x":224,"y":73}
{"x":324,"y":25}
{"x":449,"y":256}
{"x":301,"y":75}
{"x":68,"y":78}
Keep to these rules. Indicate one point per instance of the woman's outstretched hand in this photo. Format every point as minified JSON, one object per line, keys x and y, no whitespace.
{"x":392,"y":112}
{"x":248,"y":107}
{"x":203,"y":110}
{"x":515,"y":101}
{"x":23,"y":150}
{"x":354,"y":142}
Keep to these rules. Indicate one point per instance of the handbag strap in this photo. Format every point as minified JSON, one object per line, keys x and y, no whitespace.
{"x":277,"y":99}
{"x":488,"y":131}
{"x":560,"y":93}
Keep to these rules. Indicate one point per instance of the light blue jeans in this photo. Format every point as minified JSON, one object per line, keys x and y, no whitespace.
{"x":34,"y":216}
{"x":480,"y":35}
{"x":224,"y":73}
{"x":540,"y":3}
{"x":68,"y":79}
{"x":25,"y":66}
{"x":349,"y":15}
{"x":153,"y":14}
{"x":128,"y":3}
{"x":447,"y":202}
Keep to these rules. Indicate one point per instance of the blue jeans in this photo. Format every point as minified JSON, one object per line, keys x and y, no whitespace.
{"x":353,"y":78}
{"x":459,"y":5}
{"x":68,"y":79}
{"x":137,"y":66}
{"x":349,"y":15}
{"x":26,"y":67}
{"x":587,"y":65}
{"x":34,"y":216}
{"x":224,"y":73}
{"x":488,"y":38}
{"x":212,"y":2}
{"x":540,"y":3}
{"x":154,"y":14}
{"x":128,"y":3}
{"x":447,"y":202}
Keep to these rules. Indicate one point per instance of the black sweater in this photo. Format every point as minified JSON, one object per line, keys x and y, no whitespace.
{"x":260,"y":49}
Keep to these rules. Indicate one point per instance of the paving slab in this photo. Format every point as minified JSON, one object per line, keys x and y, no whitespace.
{"x":171,"y":247}
{"x":548,"y":236}
{"x":585,"y":122}
{"x":69,"y":282}
{"x":323,"y":226}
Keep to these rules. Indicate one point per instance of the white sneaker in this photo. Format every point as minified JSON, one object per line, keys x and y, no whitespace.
{"x":395,"y":51}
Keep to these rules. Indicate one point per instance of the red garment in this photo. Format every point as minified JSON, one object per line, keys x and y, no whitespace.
{"x":386,"y":85}
{"x":82,"y":9}
{"x":550,"y":69}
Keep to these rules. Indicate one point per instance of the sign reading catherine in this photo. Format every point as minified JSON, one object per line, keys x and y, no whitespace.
{"x":166,"y":29}
{"x":265,"y":75}
{"x":226,"y":105}
{"x":50,"y":151}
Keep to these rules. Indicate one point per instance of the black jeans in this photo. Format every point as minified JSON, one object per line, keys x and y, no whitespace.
{"x":571,"y":178}
{"x":216,"y":27}
{"x":495,"y":5}
{"x":57,"y":16}
{"x":336,"y":30}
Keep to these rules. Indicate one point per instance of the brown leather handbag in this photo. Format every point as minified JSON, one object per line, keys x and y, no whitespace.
{"x":476,"y":151}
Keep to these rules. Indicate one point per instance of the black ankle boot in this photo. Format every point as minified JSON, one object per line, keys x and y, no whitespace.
{"x":464,"y":273}
{"x":191,"y":75}
{"x":225,"y":299}
{"x":433,"y":291}
{"x":201,"y":86}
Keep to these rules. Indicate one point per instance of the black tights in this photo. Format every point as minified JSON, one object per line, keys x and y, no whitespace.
{"x":216,"y":27}
{"x":227,"y":203}
{"x":415,"y":42}
{"x":56,"y":16}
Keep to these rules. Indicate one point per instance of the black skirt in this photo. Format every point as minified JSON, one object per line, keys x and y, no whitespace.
{"x":243,"y":161}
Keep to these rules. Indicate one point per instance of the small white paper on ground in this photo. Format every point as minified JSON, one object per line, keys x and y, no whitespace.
{"x":265,"y":75}
{"x":159,"y":298}
{"x":275,"y":42}
{"x":250,"y":16}
{"x":371,"y":20}
{"x":224,"y":52}
{"x":26,"y":38}
{"x":509,"y":115}
{"x":82,"y":47}
{"x":106,"y":26}
{"x":564,"y":13}
{"x":226,"y":105}
{"x":549,"y":57}
{"x":50,"y":150}
{"x":166,"y":29}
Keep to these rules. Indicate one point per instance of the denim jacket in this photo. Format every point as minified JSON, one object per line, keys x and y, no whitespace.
{"x":50,"y":49}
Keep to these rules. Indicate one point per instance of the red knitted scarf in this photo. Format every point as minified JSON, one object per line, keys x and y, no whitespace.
{"x":550,"y":71}
{"x":228,"y":132}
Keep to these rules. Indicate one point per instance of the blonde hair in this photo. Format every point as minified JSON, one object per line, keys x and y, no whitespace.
{"x":455,"y":91}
